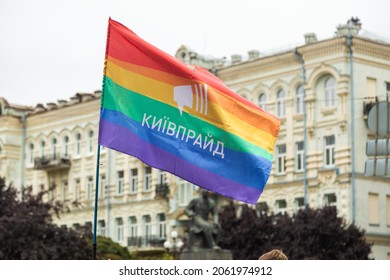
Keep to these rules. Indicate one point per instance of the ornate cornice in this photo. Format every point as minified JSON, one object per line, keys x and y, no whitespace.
{"x":335,"y":50}
{"x":371,"y":48}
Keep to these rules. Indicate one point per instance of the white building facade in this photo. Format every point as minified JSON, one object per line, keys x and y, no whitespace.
{"x":323,"y":90}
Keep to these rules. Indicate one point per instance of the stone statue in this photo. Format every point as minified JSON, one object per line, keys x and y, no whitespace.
{"x":203,"y":231}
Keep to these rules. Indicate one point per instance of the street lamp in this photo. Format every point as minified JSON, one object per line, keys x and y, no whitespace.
{"x":175,"y":246}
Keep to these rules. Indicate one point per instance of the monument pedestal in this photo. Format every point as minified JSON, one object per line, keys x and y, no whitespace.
{"x":206,"y":254}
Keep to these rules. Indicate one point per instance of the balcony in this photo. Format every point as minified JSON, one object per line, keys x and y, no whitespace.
{"x":146,"y":242}
{"x":52,"y":162}
{"x":162,"y":190}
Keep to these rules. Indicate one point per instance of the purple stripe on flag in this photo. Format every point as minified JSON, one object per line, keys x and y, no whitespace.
{"x":119,"y":138}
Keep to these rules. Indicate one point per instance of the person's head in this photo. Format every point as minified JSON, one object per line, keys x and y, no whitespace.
{"x":273,"y":255}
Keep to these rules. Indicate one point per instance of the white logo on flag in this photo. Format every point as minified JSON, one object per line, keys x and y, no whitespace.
{"x":183,"y":95}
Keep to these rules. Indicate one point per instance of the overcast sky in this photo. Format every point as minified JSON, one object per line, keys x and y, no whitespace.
{"x":51,"y":49}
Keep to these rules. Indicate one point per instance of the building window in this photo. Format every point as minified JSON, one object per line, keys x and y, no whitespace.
{"x":299,"y":203}
{"x":388,"y":210}
{"x":329,"y":151}
{"x":77,"y":190}
{"x":261,"y":208}
{"x":88,"y":225}
{"x":330,"y":92}
{"x":52,"y":189}
{"x":161,"y":226}
{"x":185,"y":192}
{"x":162,"y":177}
{"x":147,"y":179}
{"x":281,"y":108}
{"x":119,"y":230}
{"x":146,"y":228}
{"x":102,"y":187}
{"x":119,"y":187}
{"x":262,"y":101}
{"x":30,"y":154}
{"x":66,"y":146}
{"x":88,"y":193}
{"x":371,"y":87}
{"x":77,"y":147}
{"x":64,"y":190}
{"x":330,"y":199}
{"x":132,"y":227}
{"x":101,"y":228}
{"x":300,"y":99}
{"x":54,"y":148}
{"x":133,"y":180}
{"x":388,"y":90}
{"x":281,"y":159}
{"x":42,"y":149}
{"x":90,"y":141}
{"x":76,"y":226}
{"x":280,"y":206}
{"x":299,"y":156}
{"x":373,"y":209}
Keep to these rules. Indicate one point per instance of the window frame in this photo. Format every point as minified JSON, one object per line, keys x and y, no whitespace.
{"x":147,"y":179}
{"x":281,"y":103}
{"x":299,"y":156}
{"x":330,"y":92}
{"x":120,"y":182}
{"x":77,"y":145}
{"x":133,"y":180}
{"x":119,"y":229}
{"x":329,"y":151}
{"x":262,"y":101}
{"x":281,"y":159}
{"x":300,"y":99}
{"x":161,"y":226}
{"x":133,"y":227}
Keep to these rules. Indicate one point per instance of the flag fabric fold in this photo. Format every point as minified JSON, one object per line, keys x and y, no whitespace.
{"x":183,"y":119}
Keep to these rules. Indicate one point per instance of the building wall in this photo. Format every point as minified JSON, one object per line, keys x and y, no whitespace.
{"x":325,"y":184}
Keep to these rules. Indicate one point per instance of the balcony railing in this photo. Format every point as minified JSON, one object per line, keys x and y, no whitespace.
{"x":52,"y":162}
{"x":146,"y":241}
{"x":162,"y":190}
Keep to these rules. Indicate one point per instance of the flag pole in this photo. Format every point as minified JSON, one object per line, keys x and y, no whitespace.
{"x":96,"y":203}
{"x":98,"y":155}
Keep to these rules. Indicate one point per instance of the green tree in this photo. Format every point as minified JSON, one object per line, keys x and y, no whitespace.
{"x":107,"y":249}
{"x":307,"y":234}
{"x":27,"y":231}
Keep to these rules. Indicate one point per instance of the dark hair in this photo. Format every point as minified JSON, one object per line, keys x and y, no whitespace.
{"x":273,"y":255}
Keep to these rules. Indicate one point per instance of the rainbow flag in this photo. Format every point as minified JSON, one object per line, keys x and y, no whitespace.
{"x":182,"y":119}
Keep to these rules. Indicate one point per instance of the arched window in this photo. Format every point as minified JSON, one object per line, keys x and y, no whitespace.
{"x":262,"y":101}
{"x":161,"y":226}
{"x":300,"y":96}
{"x":42,"y":148}
{"x":90,"y":141}
{"x":330,"y":92}
{"x":77,"y":148}
{"x":146,"y":228}
{"x":133,"y":228}
{"x":119,"y":230}
{"x":54,"y":147}
{"x":281,"y":108}
{"x":65,"y":147}
{"x":30,"y":154}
